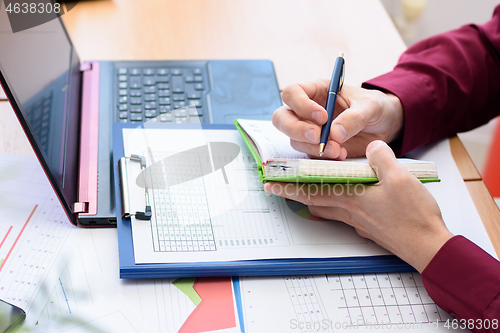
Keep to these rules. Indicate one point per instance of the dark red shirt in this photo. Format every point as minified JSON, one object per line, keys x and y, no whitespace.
{"x":447,"y":84}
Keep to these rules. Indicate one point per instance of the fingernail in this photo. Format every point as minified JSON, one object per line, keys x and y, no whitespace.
{"x":311,"y":135}
{"x":317,"y":117}
{"x":268,"y":188}
{"x":372,"y":146}
{"x":340,"y":132}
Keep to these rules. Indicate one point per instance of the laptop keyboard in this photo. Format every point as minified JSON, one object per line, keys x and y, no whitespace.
{"x":161,"y":94}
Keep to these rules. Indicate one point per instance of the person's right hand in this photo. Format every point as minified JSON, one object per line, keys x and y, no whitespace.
{"x":361,"y":116}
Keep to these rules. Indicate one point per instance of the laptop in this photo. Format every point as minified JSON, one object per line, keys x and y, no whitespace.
{"x":67,"y":107}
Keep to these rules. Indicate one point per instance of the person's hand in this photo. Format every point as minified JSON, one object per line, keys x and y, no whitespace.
{"x":361,"y":116}
{"x":398,"y":212}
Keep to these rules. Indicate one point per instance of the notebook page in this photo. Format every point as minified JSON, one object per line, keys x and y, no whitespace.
{"x":272,"y":144}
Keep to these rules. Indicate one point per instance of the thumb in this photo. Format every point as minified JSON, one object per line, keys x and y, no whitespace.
{"x":382,"y":160}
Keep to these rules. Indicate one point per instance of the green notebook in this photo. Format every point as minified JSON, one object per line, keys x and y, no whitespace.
{"x":278,"y":161}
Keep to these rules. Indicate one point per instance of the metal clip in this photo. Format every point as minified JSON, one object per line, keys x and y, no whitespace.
{"x":342,"y":77}
{"x":122,"y":166}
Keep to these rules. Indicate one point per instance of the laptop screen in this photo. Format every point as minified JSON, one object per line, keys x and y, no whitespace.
{"x":41,"y":71}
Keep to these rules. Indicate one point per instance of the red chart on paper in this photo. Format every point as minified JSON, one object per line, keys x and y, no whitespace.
{"x":216,"y":310}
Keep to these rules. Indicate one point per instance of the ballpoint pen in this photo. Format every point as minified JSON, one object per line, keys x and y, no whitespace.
{"x":335,"y":86}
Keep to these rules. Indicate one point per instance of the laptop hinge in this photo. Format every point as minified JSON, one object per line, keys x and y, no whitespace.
{"x":81,"y":207}
{"x":86,"y":66}
{"x":89,"y":138}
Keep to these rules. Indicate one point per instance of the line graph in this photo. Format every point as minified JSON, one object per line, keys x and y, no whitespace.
{"x":4,"y":260}
{"x":6,"y":235}
{"x":35,"y":234}
{"x":64,"y":293}
{"x":1,"y":244}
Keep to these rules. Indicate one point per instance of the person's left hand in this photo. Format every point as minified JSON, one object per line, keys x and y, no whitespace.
{"x":398,"y":212}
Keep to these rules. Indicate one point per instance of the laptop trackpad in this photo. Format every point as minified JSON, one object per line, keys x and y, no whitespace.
{"x":243,"y":89}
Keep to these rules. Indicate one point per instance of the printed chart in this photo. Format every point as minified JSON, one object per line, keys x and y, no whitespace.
{"x":287,"y":304}
{"x":29,"y":260}
{"x":187,"y":305}
{"x":35,"y":234}
{"x":10,"y":239}
{"x":166,"y":305}
{"x":279,"y":304}
{"x":339,"y":303}
{"x":110,"y":315}
{"x":213,"y":298}
{"x":382,"y":298}
{"x":306,"y":300}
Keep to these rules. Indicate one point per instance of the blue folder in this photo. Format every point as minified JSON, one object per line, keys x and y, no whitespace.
{"x":130,"y":270}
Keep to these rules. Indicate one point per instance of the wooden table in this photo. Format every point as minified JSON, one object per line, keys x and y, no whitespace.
{"x":301,"y":37}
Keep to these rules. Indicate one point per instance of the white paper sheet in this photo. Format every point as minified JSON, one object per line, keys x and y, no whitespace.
{"x":111,"y":315}
{"x":277,"y":144}
{"x":458,"y":209}
{"x":91,"y":278}
{"x":36,"y":237}
{"x":394,"y":302}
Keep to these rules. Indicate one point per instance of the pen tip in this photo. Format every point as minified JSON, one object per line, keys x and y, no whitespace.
{"x":341,"y":54}
{"x":321,"y":149}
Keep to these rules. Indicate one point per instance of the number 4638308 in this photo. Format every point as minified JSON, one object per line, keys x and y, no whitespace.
{"x":33,"y":8}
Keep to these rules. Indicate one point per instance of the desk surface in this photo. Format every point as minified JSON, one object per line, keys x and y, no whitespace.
{"x":301,"y":37}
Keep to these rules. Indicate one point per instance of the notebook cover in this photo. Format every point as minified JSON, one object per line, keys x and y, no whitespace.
{"x":255,"y":155}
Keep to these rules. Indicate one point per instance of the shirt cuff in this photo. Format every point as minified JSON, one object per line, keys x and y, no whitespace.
{"x":463,"y":279}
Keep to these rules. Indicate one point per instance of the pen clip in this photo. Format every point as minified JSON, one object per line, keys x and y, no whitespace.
{"x":342,"y":76}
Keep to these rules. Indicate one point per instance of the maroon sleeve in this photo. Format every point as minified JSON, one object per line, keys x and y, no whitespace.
{"x":464,"y":280}
{"x":447,"y":84}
